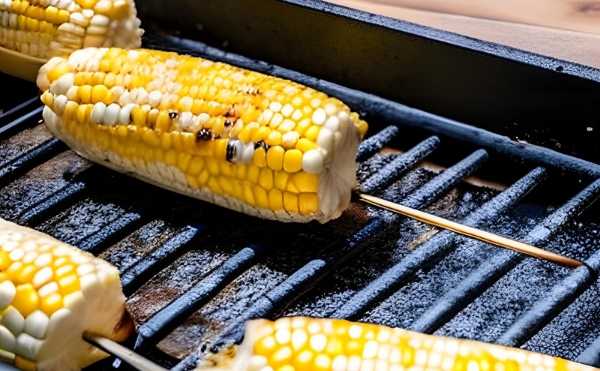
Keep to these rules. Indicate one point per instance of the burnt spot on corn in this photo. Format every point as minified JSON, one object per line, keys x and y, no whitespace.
{"x":204,"y":134}
{"x":232,"y":152}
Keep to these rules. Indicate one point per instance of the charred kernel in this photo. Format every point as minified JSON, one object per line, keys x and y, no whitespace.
{"x":234,"y":150}
{"x":204,"y":134}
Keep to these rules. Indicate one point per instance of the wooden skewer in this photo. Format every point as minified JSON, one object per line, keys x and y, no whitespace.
{"x":472,"y":232}
{"x":123,"y":353}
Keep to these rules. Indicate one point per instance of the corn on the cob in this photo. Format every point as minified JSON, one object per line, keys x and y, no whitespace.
{"x":50,"y":293}
{"x":309,"y":344}
{"x":243,"y":140}
{"x":42,"y":29}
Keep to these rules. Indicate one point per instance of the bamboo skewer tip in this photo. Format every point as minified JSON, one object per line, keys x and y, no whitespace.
{"x":476,"y":233}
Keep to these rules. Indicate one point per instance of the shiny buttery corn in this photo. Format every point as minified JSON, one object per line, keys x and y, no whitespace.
{"x":253,"y":143}
{"x":50,"y":293}
{"x":48,"y":28}
{"x":308,"y":344}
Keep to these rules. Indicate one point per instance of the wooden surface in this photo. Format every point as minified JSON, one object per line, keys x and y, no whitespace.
{"x":568,"y":30}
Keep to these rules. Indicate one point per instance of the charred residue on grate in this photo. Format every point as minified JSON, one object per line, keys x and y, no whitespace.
{"x":24,"y":141}
{"x":39,"y":185}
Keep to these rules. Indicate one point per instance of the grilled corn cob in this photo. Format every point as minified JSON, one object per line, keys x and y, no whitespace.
{"x":260,"y":145}
{"x":308,"y":344}
{"x":38,"y":30}
{"x":50,"y":293}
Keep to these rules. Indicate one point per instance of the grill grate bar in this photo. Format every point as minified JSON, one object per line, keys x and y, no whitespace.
{"x":313,"y":272}
{"x":439,"y":244}
{"x":390,"y":172}
{"x":13,"y":114}
{"x":441,"y":183}
{"x":455,"y":300}
{"x":133,"y":277}
{"x":546,"y":309}
{"x":29,"y":160}
{"x":20,"y":121}
{"x":175,"y":313}
{"x":53,"y":203}
{"x":591,"y":355}
{"x":375,"y":143}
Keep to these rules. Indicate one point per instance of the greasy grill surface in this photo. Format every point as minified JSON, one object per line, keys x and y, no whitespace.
{"x":194,"y":273}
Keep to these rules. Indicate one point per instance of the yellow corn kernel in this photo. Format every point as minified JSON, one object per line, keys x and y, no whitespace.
{"x":308,"y":203}
{"x":305,"y":145}
{"x":274,"y":138}
{"x":260,"y":157}
{"x":261,"y":197}
{"x":292,"y":161}
{"x":275,"y":199}
{"x":265,"y":178}
{"x":290,"y":202}
{"x":68,"y":284}
{"x":225,"y":184}
{"x":26,"y":300}
{"x":275,"y":157}
{"x":26,"y":273}
{"x":312,"y":133}
{"x":261,"y":134}
{"x":213,"y":184}
{"x":248,"y":131}
{"x":163,"y":122}
{"x":248,"y":194}
{"x":85,"y":94}
{"x":306,"y":182}
{"x":281,"y":179}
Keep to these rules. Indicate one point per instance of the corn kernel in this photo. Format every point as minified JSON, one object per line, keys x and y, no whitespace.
{"x":26,"y":300}
{"x":275,"y":158}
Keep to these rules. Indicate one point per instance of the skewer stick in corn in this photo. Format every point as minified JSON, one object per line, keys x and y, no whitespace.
{"x":476,"y":233}
{"x":261,"y":145}
{"x":50,"y":293}
{"x":309,"y":344}
{"x":32,"y":32}
{"x":123,"y":353}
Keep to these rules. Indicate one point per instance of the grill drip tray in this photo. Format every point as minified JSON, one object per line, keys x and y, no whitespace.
{"x":193,"y":272}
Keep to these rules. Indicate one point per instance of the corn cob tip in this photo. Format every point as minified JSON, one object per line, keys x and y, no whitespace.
{"x":253,"y":143}
{"x":39,"y":30}
{"x":50,"y":294}
{"x":311,"y":344}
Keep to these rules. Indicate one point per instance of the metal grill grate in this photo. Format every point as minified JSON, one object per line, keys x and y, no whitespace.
{"x":194,"y":273}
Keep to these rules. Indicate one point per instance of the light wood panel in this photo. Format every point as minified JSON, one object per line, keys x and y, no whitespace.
{"x":562,"y":29}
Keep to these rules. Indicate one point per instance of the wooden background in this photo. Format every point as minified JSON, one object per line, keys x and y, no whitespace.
{"x":565,"y":29}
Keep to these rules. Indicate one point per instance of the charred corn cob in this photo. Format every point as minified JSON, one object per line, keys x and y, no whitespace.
{"x":260,"y":145}
{"x":38,"y":30}
{"x":307,"y":344}
{"x":50,"y":293}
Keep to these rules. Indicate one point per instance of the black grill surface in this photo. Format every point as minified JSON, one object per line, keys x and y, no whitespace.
{"x":193,"y":273}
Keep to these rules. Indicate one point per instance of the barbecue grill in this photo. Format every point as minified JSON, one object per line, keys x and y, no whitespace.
{"x":450,"y":118}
